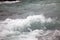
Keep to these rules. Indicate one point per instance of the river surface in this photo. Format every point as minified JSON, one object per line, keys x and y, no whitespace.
{"x":30,"y":20}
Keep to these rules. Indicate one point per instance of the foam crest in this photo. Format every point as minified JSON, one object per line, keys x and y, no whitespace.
{"x":26,"y":29}
{"x":23,"y":23}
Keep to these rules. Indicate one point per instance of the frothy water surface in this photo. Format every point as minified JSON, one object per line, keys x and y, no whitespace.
{"x":30,"y":20}
{"x":35,"y":27}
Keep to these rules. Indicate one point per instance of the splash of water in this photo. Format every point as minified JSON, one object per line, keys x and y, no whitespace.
{"x":31,"y":28}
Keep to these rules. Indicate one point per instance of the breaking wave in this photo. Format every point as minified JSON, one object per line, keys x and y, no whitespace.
{"x":35,"y":27}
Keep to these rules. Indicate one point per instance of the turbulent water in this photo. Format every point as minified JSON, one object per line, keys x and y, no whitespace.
{"x":30,"y":20}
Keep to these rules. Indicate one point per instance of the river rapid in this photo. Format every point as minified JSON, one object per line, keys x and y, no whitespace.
{"x":30,"y":20}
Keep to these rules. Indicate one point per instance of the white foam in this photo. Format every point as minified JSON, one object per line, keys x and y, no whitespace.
{"x":22,"y":23}
{"x":26,"y":23}
{"x":8,"y":2}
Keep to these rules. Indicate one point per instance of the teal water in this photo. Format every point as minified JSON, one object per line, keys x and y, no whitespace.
{"x":50,"y":8}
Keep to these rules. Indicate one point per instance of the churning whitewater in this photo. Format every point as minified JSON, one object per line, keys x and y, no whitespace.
{"x":35,"y":27}
{"x":30,"y":20}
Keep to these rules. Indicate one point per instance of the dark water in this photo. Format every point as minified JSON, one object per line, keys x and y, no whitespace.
{"x":51,"y":8}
